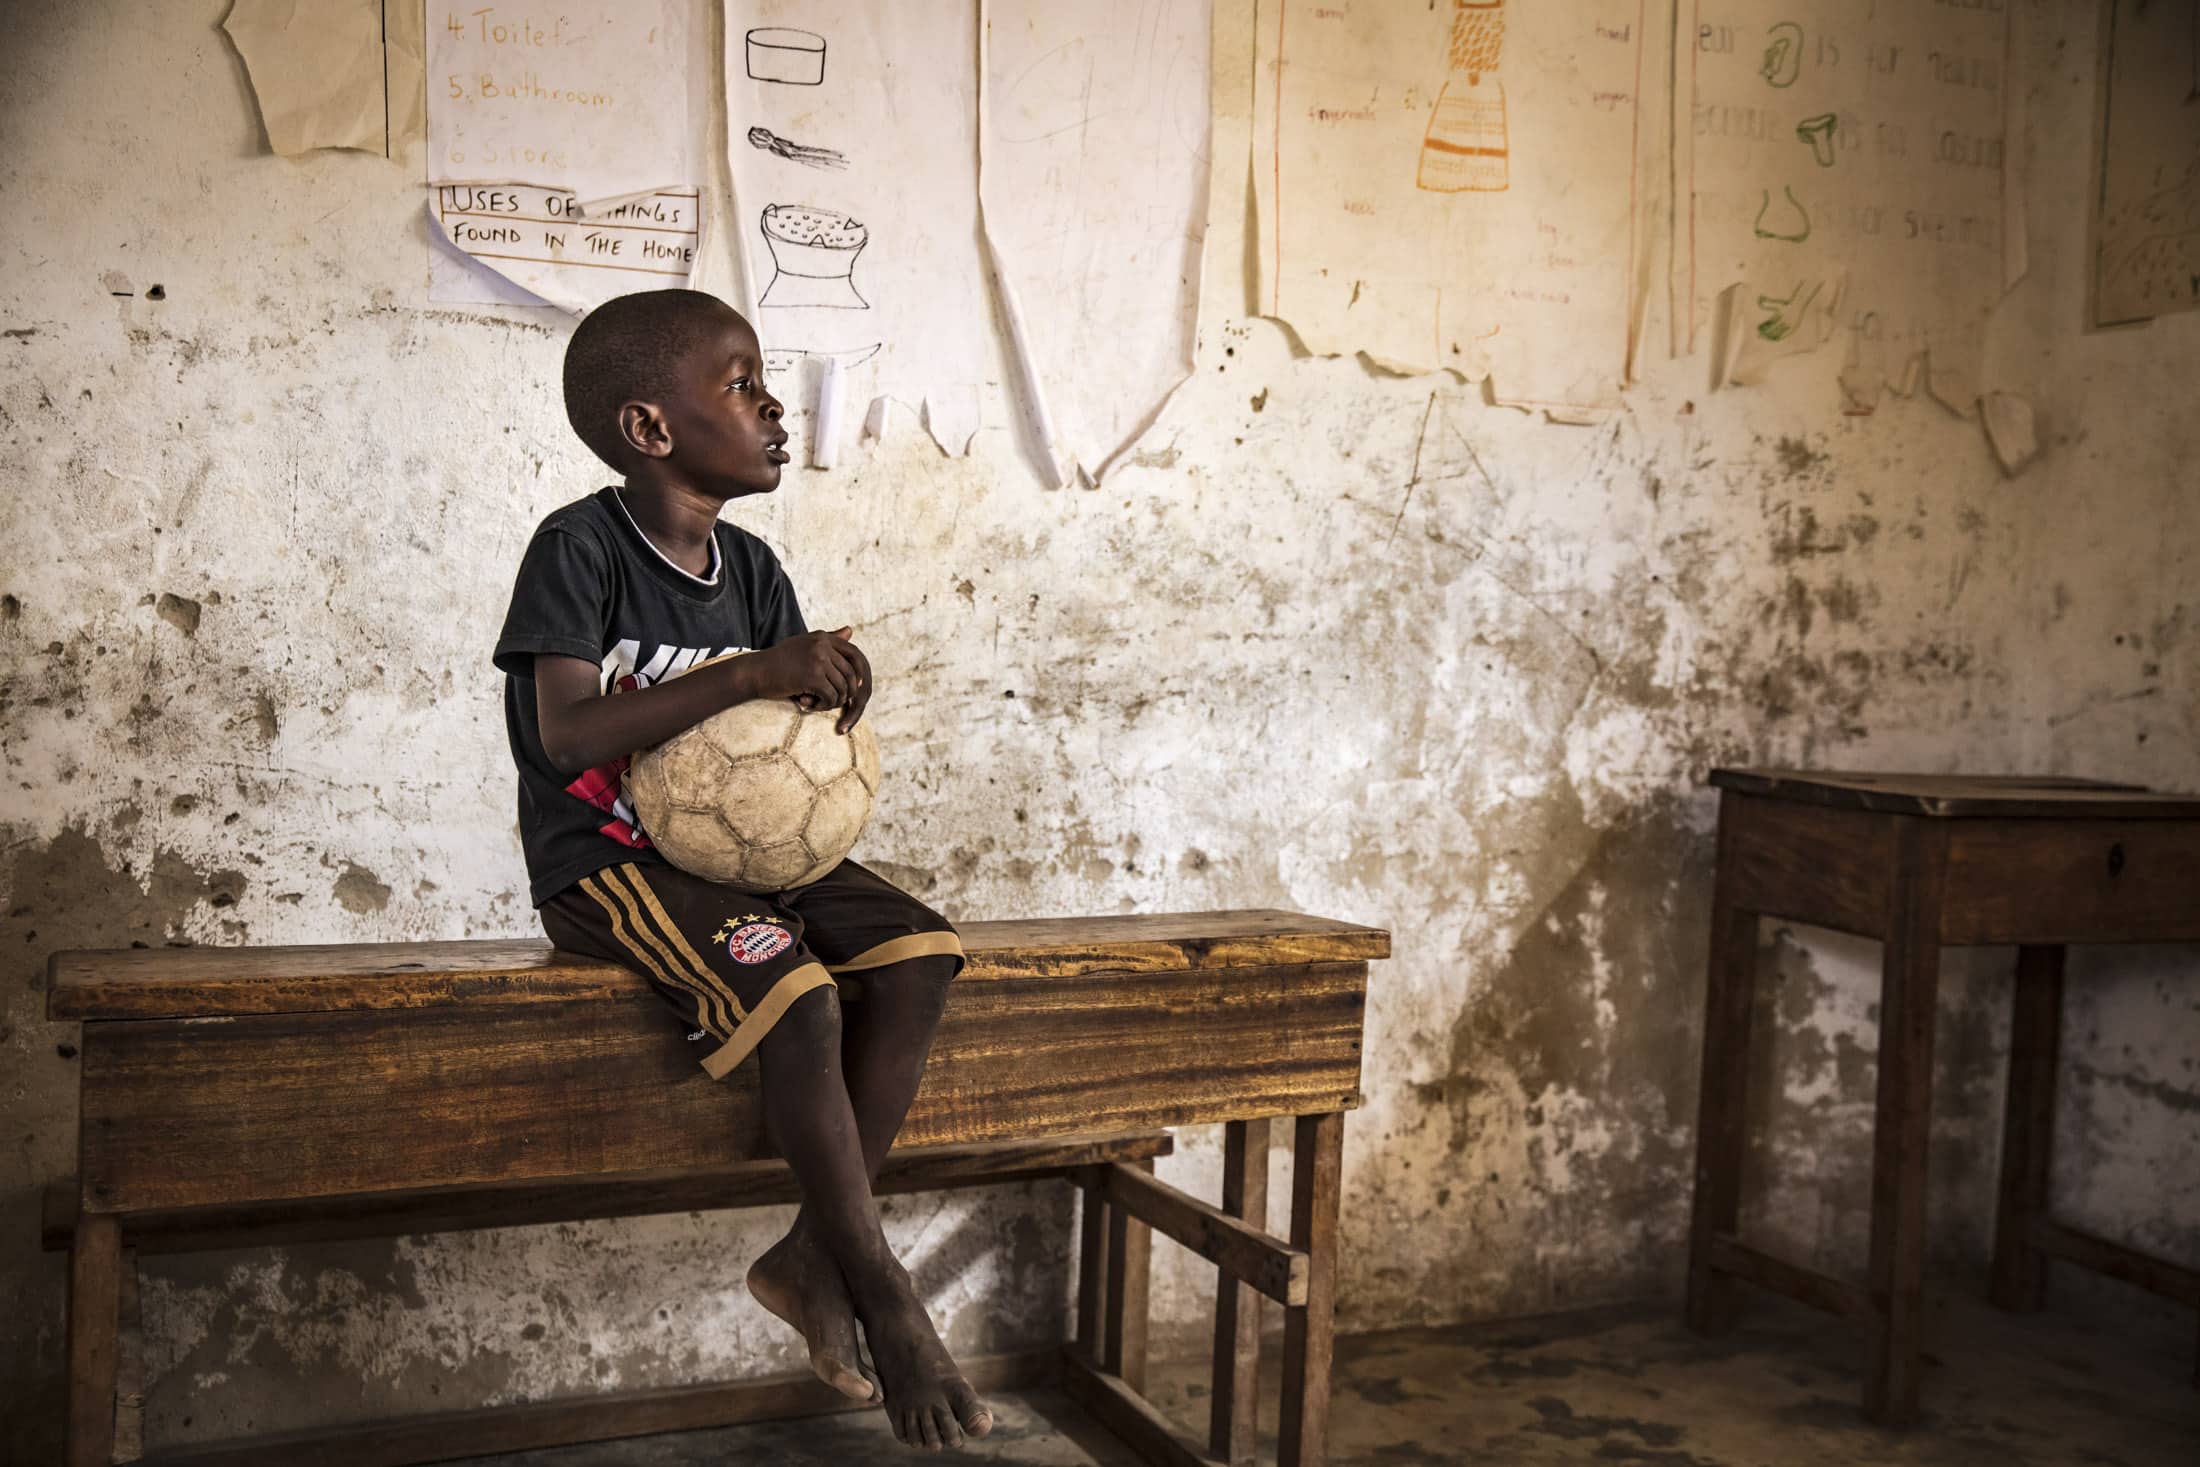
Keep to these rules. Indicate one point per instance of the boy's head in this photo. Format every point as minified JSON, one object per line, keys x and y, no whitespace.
{"x":669,"y":384}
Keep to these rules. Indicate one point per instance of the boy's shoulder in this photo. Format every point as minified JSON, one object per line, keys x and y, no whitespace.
{"x":586,"y":517}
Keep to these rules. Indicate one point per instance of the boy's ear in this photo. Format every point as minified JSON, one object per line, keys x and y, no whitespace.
{"x":643,"y":426}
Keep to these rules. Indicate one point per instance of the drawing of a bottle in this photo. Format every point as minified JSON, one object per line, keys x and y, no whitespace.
{"x":1466,"y":146}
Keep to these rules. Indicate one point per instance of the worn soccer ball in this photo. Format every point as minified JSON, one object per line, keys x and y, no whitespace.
{"x":761,"y":797}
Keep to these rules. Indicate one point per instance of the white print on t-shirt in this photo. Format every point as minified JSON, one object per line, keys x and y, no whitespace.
{"x":620,"y":664}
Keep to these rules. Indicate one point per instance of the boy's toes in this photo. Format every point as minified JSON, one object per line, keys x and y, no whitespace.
{"x":928,"y":1428}
{"x":951,"y":1434}
{"x":974,"y":1415}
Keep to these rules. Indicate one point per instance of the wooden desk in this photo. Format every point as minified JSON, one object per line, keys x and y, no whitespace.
{"x":1921,"y":862}
{"x":242,"y":1095}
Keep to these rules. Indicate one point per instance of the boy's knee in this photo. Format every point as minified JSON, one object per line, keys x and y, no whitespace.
{"x":815,"y":1015}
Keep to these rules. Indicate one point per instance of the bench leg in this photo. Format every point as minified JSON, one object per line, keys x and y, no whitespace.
{"x":1233,"y":1424}
{"x":95,"y":1303}
{"x":1730,"y":992}
{"x":2028,"y":1130}
{"x":1902,"y":1125}
{"x":1309,"y":1334}
{"x":1130,"y":1250}
{"x":1092,"y":1270}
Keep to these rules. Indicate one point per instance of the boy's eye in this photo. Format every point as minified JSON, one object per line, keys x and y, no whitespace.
{"x":738,"y":384}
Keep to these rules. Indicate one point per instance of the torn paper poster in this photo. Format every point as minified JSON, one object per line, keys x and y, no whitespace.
{"x":1453,"y":185}
{"x":1826,"y":141}
{"x":1093,"y":172}
{"x":538,"y":240}
{"x":323,"y":72}
{"x":2147,"y":228}
{"x":1762,"y":327}
{"x":2011,"y":430}
{"x":596,"y":98}
{"x":852,"y":132}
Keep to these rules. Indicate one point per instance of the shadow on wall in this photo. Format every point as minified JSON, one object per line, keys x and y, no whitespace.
{"x":63,"y":893}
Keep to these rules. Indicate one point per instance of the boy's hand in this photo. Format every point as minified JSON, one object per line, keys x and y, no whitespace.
{"x":816,"y":670}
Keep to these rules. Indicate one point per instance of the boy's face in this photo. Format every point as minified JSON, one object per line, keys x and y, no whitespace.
{"x":723,"y":425}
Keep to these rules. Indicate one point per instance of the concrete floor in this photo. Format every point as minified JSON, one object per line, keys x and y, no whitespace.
{"x":2108,"y":1388}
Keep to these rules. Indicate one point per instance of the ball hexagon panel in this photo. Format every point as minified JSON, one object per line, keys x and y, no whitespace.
{"x":698,"y":841}
{"x":687,"y":768}
{"x":760,"y":726}
{"x":823,"y":753}
{"x":866,"y":756}
{"x":763,"y":801}
{"x":837,"y":817}
{"x":775,"y":868}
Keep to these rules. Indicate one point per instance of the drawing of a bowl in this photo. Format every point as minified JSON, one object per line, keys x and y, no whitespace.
{"x":813,"y":257}
{"x":779,"y":54}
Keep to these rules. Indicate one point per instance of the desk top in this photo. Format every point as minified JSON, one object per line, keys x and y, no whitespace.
{"x":218,"y":982}
{"x":2003,"y":796}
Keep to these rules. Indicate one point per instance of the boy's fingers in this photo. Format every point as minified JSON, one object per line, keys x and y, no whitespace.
{"x":845,"y":633}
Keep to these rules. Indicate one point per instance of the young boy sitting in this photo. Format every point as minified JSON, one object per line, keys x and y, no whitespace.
{"x":627,"y":605}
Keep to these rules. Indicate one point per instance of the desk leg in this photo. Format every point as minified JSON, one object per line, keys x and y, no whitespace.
{"x":1130,"y":1250}
{"x":95,"y":1305}
{"x":1309,"y":1334}
{"x":1730,"y":990}
{"x":2028,"y":1129}
{"x":1902,"y":1125}
{"x":1233,"y":1422}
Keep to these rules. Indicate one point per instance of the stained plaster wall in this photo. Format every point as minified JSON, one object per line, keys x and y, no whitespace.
{"x":1340,"y":642}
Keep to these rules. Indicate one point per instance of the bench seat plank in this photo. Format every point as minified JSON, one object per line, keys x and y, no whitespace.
{"x":572,"y":1199}
{"x":207,"y":982}
{"x":261,"y":1107}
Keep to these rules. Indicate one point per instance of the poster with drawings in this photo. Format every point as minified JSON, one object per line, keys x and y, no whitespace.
{"x":852,"y":139}
{"x":1453,"y":186}
{"x":1840,"y":172}
{"x":2146,"y":229}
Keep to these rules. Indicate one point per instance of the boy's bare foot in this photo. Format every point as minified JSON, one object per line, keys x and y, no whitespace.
{"x":928,"y":1402}
{"x":797,"y":1280}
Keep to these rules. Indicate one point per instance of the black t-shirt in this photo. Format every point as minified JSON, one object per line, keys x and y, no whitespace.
{"x":592,"y":586}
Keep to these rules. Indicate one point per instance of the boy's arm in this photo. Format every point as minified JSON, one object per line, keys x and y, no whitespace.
{"x":583,"y":728}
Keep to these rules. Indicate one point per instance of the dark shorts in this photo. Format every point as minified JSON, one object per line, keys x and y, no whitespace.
{"x":731,"y":963}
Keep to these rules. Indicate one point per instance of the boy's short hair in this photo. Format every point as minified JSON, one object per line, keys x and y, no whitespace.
{"x":628,"y":349}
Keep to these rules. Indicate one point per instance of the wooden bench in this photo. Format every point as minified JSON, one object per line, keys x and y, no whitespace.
{"x":235,"y":1096}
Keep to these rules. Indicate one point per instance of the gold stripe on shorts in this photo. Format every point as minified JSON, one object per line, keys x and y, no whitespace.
{"x":901,"y":949}
{"x":797,"y":982}
{"x":709,"y":1010}
{"x":661,"y":932}
{"x":672,"y":934}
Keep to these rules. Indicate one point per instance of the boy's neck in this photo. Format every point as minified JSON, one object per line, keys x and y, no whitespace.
{"x":677,"y":520}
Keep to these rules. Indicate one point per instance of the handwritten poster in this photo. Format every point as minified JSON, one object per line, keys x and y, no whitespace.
{"x":1452,"y":185}
{"x":2147,"y":228}
{"x":1841,"y":170}
{"x":1094,"y":177}
{"x":852,"y":134}
{"x":562,"y":147}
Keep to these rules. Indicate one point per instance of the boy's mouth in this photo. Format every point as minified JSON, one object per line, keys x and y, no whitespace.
{"x":776,"y":450}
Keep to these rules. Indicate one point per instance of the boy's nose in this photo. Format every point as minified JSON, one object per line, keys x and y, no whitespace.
{"x":773,"y":412}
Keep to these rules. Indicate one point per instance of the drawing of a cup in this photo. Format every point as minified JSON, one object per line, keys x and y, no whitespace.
{"x":1467,"y":147}
{"x":813,"y":257}
{"x":779,"y":54}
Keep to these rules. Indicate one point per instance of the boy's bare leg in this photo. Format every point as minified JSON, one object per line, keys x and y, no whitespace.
{"x":807,"y":1106}
{"x":885,"y":1041}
